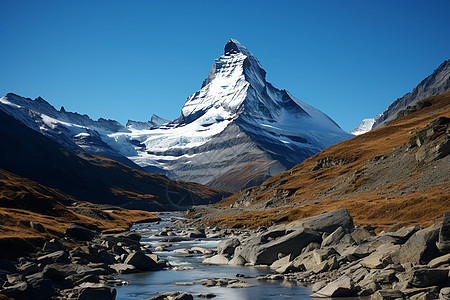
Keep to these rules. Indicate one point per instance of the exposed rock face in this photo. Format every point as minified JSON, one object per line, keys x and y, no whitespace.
{"x":437,"y":83}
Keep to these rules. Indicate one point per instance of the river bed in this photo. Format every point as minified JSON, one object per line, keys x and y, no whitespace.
{"x":148,"y":284}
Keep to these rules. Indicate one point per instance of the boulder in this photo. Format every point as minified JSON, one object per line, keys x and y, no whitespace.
{"x":141,"y":261}
{"x":39,"y":286}
{"x":387,"y":295}
{"x":327,"y":222}
{"x":227,"y":246}
{"x":281,"y":262}
{"x":95,"y":291}
{"x":292,"y":243}
{"x":425,"y":277}
{"x":237,"y":261}
{"x":334,"y":238}
{"x":217,"y":259}
{"x":196,"y":234}
{"x":420,"y":247}
{"x":444,"y":234}
{"x":202,"y":250}
{"x":28,"y":268}
{"x":441,"y":260}
{"x":80,"y":233}
{"x":60,"y":256}
{"x":123,"y":268}
{"x":173,"y":296}
{"x":53,"y":245}
{"x":131,"y":235}
{"x":341,"y":287}
{"x":58,"y":272}
{"x":381,"y":257}
{"x":359,"y":234}
{"x":403,"y":234}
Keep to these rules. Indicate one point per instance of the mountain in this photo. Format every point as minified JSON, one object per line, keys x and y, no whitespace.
{"x":235,"y":132}
{"x":437,"y":83}
{"x":365,"y":126}
{"x":389,"y":177}
{"x":29,"y":154}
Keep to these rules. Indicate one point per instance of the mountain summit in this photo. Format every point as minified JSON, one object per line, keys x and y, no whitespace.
{"x":236,"y":131}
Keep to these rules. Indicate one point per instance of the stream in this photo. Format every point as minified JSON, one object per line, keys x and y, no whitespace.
{"x":149,"y":284}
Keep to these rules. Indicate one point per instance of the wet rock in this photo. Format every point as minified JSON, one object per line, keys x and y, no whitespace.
{"x":196,"y":234}
{"x":173,"y":296}
{"x":141,"y":261}
{"x":227,"y":246}
{"x":217,"y":259}
{"x":201,"y":250}
{"x":327,"y":222}
{"x":206,"y":295}
{"x":80,"y":233}
{"x":17,"y":291}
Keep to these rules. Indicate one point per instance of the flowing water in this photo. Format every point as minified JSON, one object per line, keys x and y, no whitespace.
{"x":148,"y":284}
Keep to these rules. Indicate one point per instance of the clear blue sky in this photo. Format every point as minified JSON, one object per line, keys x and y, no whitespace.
{"x":129,"y":59}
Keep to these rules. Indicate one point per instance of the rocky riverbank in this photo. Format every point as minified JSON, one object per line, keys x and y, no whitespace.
{"x":82,"y":265}
{"x":337,"y":259}
{"x":326,"y":253}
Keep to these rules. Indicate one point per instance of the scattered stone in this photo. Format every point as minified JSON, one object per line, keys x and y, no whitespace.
{"x":327,"y":222}
{"x":387,"y":295}
{"x":237,"y":261}
{"x":173,"y":296}
{"x":201,"y":250}
{"x":123,"y":268}
{"x":141,"y":261}
{"x":341,"y":287}
{"x":206,"y":295}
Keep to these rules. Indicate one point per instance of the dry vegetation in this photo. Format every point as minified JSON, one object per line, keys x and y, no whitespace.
{"x":351,"y":174}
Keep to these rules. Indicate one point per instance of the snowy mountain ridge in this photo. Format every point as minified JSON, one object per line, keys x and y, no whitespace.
{"x":237,"y":123}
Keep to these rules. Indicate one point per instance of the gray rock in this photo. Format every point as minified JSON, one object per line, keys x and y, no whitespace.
{"x":441,"y":260}
{"x":227,"y":246}
{"x":381,"y":257}
{"x":206,"y":295}
{"x":95,"y":291}
{"x":217,"y":259}
{"x":444,"y":293}
{"x":123,"y":268}
{"x":173,"y":296}
{"x":327,"y":222}
{"x":425,"y":277}
{"x":444,"y":234}
{"x":403,"y":234}
{"x":141,"y":261}
{"x":58,"y":272}
{"x":359,"y":234}
{"x":131,"y":235}
{"x":421,"y":293}
{"x":60,"y":256}
{"x":80,"y":233}
{"x":341,"y":287}
{"x":281,"y":262}
{"x":334,"y":238}
{"x":202,"y":250}
{"x":420,"y":247}
{"x":28,"y":268}
{"x":237,"y":261}
{"x":196,"y":234}
{"x":17,"y":291}
{"x":387,"y":295}
{"x":292,"y":243}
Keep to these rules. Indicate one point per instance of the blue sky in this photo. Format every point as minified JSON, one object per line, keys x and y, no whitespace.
{"x":129,"y":59}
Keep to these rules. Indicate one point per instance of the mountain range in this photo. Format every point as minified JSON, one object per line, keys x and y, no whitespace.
{"x":437,"y":83}
{"x":235,"y":132}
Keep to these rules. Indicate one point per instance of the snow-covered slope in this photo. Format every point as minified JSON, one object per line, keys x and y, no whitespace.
{"x":236,"y":131}
{"x":365,"y":126}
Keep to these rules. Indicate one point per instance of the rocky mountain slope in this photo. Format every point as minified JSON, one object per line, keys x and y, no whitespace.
{"x":236,"y":131}
{"x":29,"y":154}
{"x":395,"y":175}
{"x":437,"y":83}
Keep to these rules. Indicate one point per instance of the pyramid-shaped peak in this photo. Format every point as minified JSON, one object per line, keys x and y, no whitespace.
{"x":233,"y":46}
